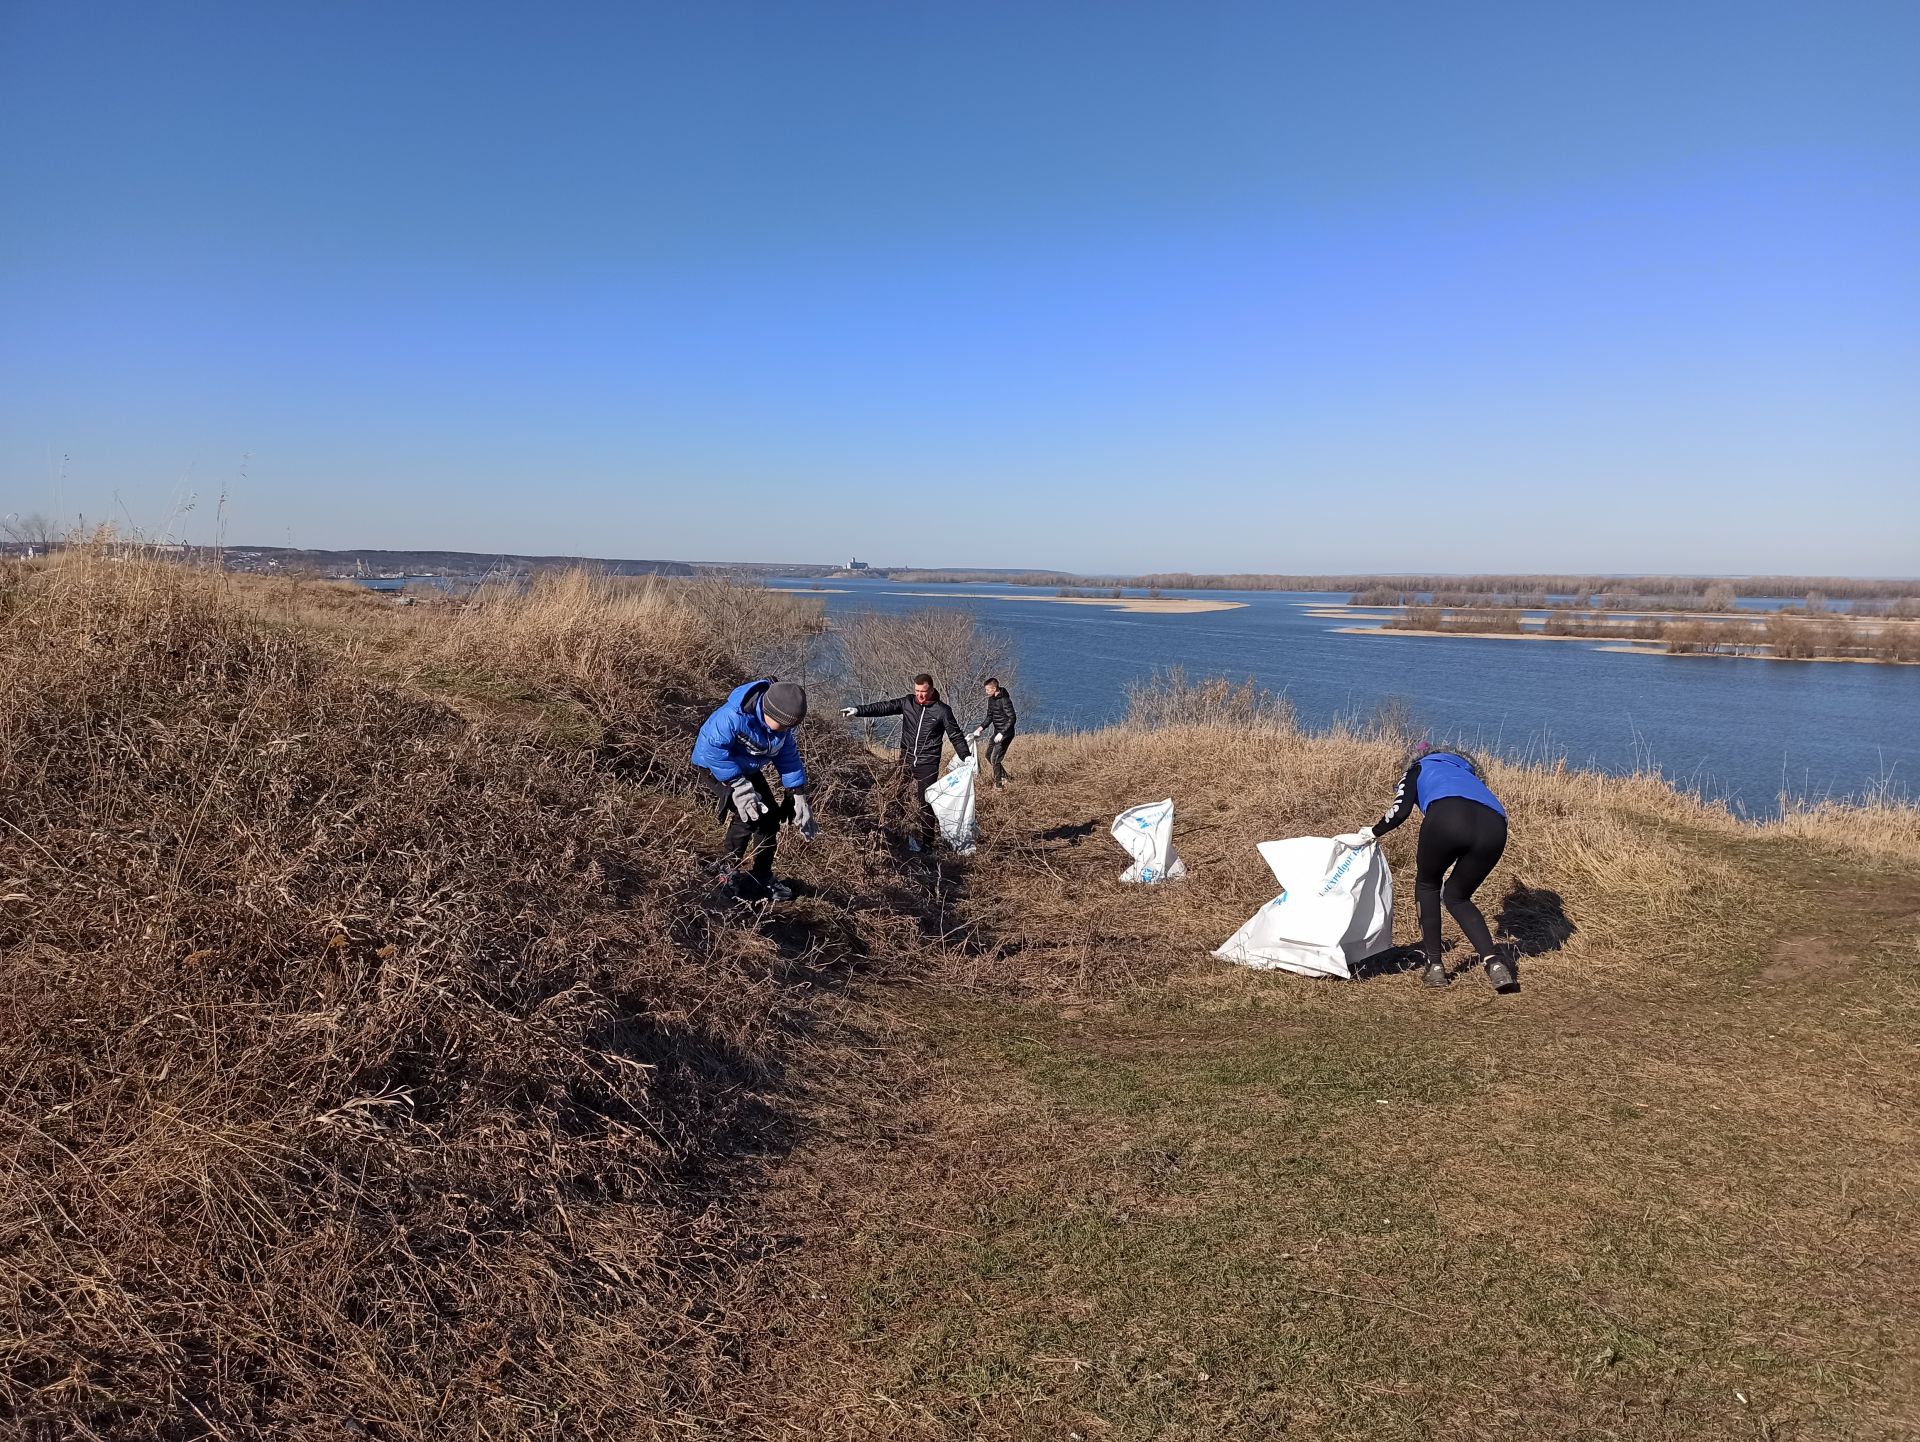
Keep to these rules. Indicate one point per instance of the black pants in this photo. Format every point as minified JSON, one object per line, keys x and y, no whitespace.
{"x":927,"y":825}
{"x":996,"y":752}
{"x":1469,"y":837}
{"x":759,"y":836}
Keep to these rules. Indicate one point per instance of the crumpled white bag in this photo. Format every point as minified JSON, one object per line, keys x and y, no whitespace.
{"x":1147,"y":834}
{"x":951,"y":798}
{"x":1335,"y":909}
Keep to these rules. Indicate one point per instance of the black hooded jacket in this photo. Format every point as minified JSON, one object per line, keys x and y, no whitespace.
{"x":921,"y":728}
{"x":1000,"y":715}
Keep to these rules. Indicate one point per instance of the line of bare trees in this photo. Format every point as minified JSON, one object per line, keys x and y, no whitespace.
{"x":1789,"y":636}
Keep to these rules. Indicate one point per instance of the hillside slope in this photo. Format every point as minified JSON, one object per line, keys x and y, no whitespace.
{"x":1668,"y":1190}
{"x":383,"y":1062}
{"x":381,"y":1059}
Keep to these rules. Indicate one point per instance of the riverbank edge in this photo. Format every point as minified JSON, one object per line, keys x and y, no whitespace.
{"x":1617,"y":646}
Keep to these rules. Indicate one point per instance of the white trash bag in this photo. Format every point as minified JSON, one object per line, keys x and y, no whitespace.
{"x":1147,"y":834}
{"x":951,"y":798}
{"x":1336,"y":909}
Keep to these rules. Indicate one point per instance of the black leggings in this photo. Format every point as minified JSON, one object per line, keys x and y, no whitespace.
{"x":1469,"y":837}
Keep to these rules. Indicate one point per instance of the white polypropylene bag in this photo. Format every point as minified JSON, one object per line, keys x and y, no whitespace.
{"x":1147,"y":834}
{"x":951,"y":798}
{"x":1336,"y":909}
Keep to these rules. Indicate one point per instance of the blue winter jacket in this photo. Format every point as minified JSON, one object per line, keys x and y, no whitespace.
{"x":1430,"y":778}
{"x":735,"y":740}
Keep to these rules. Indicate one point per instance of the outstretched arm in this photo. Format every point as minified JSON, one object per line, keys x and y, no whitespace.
{"x":1403,"y":800}
{"x":880,"y":708}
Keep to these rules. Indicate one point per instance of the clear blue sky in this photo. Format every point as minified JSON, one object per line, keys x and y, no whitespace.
{"x":1103,"y":286}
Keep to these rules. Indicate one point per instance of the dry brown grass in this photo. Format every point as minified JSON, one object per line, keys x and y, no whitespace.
{"x":372,"y":1072}
{"x":1613,"y":845}
{"x":1665,"y":1192}
{"x":1885,"y":826}
{"x":382,"y":1063}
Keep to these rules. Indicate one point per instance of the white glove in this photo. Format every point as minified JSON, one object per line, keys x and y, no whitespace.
{"x":974,"y":735}
{"x":747,"y":801}
{"x":998,"y":735}
{"x":849,"y":710}
{"x":1354,"y":840}
{"x":803,"y":816}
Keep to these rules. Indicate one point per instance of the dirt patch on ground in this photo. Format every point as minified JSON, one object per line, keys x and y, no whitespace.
{"x":1807,"y":958}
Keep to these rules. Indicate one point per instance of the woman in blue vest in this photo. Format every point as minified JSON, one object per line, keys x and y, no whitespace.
{"x":1465,"y":828}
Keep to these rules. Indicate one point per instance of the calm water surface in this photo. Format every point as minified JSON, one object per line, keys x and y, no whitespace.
{"x":1739,"y":730}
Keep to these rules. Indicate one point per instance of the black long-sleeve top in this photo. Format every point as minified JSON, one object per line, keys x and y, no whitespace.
{"x":1000,"y":713}
{"x":1405,"y":797}
{"x":921,"y":728}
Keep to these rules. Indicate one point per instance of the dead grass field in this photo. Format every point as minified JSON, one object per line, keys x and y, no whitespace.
{"x":383,"y":1064}
{"x":380,"y":1058}
{"x":1669,"y":1190}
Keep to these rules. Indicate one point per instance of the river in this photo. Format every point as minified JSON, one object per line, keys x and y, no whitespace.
{"x":1742,"y":731}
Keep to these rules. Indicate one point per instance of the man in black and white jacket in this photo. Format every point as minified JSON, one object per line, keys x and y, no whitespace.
{"x":998,"y":727}
{"x":924,"y":720}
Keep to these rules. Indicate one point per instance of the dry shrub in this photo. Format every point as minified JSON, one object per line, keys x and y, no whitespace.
{"x":1711,"y":638}
{"x":1466,"y":620}
{"x":641,"y":659}
{"x":370,"y":1073}
{"x":1377,"y":596}
{"x":880,"y":655}
{"x":771,"y":633}
{"x":1820,"y":634}
{"x":1884,"y":824}
{"x":1168,"y":698}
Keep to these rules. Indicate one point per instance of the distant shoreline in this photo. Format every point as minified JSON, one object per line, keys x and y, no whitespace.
{"x":1475,"y":635}
{"x":1621,"y":649}
{"x":1150,"y":605}
{"x":1614,"y":644}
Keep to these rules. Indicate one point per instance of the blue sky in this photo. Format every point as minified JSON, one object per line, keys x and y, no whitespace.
{"x":1105,"y":286}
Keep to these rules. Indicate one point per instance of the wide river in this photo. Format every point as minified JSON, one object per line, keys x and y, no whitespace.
{"x":1740,"y":730}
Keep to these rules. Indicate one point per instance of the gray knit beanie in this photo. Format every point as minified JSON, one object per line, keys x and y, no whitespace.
{"x":785,"y":702}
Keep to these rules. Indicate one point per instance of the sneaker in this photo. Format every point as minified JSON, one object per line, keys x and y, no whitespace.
{"x":1435,"y":975}
{"x":1500,"y":974}
{"x":779,"y":891}
{"x":913,"y":845}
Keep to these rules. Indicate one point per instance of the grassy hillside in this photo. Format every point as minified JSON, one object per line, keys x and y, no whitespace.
{"x":379,"y":1056}
{"x":383,"y":1063}
{"x":1668,"y":1190}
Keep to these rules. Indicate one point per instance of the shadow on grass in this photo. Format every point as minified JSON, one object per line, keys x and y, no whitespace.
{"x":1535,"y":919}
{"x":1072,"y":835}
{"x":1394,"y":961}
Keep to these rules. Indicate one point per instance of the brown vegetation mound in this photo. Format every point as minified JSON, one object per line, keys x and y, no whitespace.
{"x":369,"y":1070}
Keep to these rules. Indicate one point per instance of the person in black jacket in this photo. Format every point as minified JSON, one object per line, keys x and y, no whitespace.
{"x":999,"y":722}
{"x":924,"y":720}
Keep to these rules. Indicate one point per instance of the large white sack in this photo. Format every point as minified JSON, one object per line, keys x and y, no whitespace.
{"x":1336,"y":909}
{"x":951,"y":798}
{"x":1147,"y":834}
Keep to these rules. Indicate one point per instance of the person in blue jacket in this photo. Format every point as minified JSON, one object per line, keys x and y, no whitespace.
{"x":1465,"y":828}
{"x":754,"y":727}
